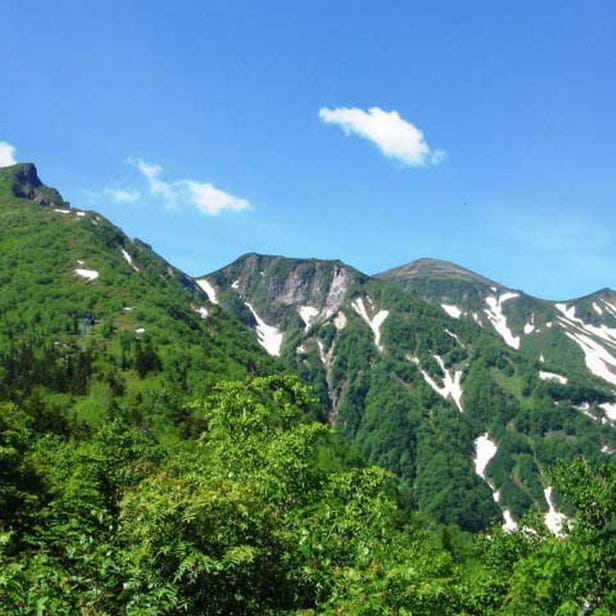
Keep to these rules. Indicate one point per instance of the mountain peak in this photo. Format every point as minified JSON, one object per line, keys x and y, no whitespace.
{"x":22,"y":181}
{"x":434,"y":268}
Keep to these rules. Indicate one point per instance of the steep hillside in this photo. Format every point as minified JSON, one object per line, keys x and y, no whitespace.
{"x":469,"y":424}
{"x":577,"y":335}
{"x":90,"y":319}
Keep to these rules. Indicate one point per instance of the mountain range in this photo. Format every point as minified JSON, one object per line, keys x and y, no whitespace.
{"x":467,"y":390}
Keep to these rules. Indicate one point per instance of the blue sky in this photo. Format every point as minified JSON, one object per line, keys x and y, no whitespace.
{"x":478,"y":132}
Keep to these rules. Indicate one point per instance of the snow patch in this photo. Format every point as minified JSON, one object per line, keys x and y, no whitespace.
{"x":494,"y":312}
{"x":541,"y":358}
{"x":308,"y":315}
{"x":485,"y":450}
{"x":585,"y":409}
{"x":269,"y":337}
{"x":568,"y":312}
{"x":455,"y":337}
{"x":375,"y":322}
{"x":451,"y":384}
{"x":80,"y":214}
{"x":452,"y":310}
{"x":129,"y":260}
{"x":552,"y":376}
{"x":607,"y":334}
{"x":201,"y":310}
{"x":89,"y":275}
{"x":529,"y":327}
{"x":340,"y":321}
{"x":235,"y":284}
{"x":553,"y":520}
{"x":61,"y":210}
{"x":609,"y":307}
{"x":597,"y":359}
{"x":140,"y":330}
{"x":597,"y":308}
{"x":610,"y":410}
{"x":209,"y":289}
{"x":510,"y":524}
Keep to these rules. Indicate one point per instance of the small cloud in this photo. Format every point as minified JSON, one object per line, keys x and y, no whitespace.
{"x":210,"y":200}
{"x":393,"y":135}
{"x":203,"y":195}
{"x":123,"y":195}
{"x":7,"y":154}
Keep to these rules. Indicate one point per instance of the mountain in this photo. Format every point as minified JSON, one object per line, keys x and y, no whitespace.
{"x":468,"y":423}
{"x":91,"y":320}
{"x":94,"y":323}
{"x":577,"y":335}
{"x":159,"y":453}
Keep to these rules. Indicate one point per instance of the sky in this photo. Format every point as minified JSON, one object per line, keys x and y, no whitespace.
{"x":482,"y":133}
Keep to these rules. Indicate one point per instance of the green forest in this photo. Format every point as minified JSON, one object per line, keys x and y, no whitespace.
{"x":266,"y":511}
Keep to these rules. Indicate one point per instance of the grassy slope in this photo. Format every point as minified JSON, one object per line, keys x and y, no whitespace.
{"x":44,"y":307}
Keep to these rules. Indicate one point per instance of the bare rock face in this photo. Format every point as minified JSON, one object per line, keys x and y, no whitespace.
{"x":280,"y":286}
{"x":27,"y":185}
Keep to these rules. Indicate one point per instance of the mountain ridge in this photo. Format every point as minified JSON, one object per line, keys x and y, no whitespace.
{"x":381,"y":357}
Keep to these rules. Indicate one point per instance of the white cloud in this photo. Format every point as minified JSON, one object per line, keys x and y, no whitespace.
{"x":211,"y":200}
{"x":123,"y":195}
{"x":7,"y":154}
{"x":203,"y":195}
{"x":394,"y":136}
